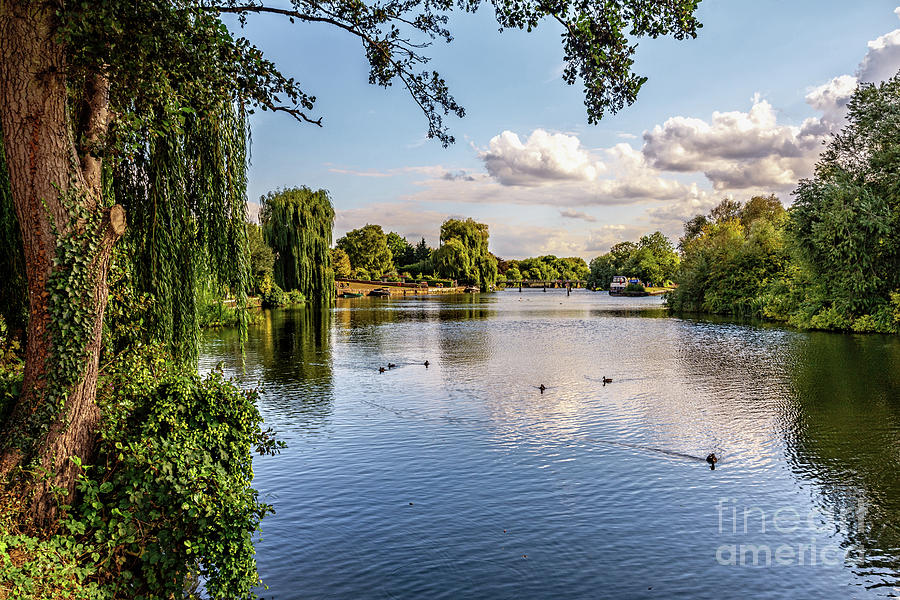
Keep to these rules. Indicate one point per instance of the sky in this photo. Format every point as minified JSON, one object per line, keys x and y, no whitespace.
{"x":741,"y":110}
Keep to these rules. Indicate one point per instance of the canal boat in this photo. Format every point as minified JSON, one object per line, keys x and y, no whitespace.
{"x":352,"y":295}
{"x":380,"y":292}
{"x":471,"y":290}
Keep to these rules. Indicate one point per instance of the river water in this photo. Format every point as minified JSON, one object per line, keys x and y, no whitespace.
{"x":464,"y":480}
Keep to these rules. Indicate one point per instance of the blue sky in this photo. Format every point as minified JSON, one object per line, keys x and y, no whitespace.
{"x":743,"y":109}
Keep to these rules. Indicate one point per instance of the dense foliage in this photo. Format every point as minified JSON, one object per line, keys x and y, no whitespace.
{"x":652,"y":259}
{"x":729,"y":264}
{"x":262,"y":258}
{"x":545,"y":268}
{"x":297,"y":224}
{"x":168,"y":498}
{"x":402,"y":252}
{"x":368,"y":251}
{"x":185,"y":196}
{"x":464,"y":254}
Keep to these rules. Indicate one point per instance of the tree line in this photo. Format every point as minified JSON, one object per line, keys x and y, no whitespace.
{"x":462,"y":256}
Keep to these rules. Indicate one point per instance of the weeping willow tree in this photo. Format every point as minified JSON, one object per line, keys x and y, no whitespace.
{"x":297,"y":224}
{"x":185,"y":194}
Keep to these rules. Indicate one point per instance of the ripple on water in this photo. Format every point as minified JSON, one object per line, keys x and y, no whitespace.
{"x":463,"y":480}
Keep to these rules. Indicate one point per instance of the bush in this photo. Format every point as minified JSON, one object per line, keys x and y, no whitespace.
{"x":295,"y":297}
{"x":167,"y":500}
{"x":273,"y":297}
{"x":635,"y":287}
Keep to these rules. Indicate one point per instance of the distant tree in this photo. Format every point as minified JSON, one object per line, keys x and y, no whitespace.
{"x":297,"y":224}
{"x":367,"y":249}
{"x":602,"y":270}
{"x":476,"y":265}
{"x":655,"y":260}
{"x":453,"y":261}
{"x":422,"y":252}
{"x":761,"y":207}
{"x":725,"y":210}
{"x":341,"y":263}
{"x":693,"y":229}
{"x":513,"y":274}
{"x":262,"y":259}
{"x":402,"y":252}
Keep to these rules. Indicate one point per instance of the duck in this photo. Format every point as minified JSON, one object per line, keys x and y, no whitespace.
{"x":542,"y":388}
{"x":426,"y":364}
{"x":606,"y":380}
{"x":381,"y":369}
{"x":712,"y":459}
{"x":391,"y":365}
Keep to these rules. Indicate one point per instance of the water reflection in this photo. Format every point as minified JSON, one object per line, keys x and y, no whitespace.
{"x":287,"y":356}
{"x":843,"y":435}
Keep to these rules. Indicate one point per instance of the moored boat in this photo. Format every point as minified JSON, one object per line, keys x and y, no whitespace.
{"x":380,"y":292}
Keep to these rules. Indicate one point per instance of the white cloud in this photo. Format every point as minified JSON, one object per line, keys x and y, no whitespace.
{"x":831,"y":98}
{"x":883,"y":58}
{"x":601,"y":239}
{"x":543,"y":158}
{"x":735,"y":150}
{"x":751,"y":151}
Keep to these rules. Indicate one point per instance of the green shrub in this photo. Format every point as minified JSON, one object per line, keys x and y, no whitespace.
{"x":635,"y":287}
{"x":167,"y":499}
{"x":273,"y":297}
{"x":295,"y":297}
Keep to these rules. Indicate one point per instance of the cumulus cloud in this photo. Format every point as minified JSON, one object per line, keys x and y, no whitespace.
{"x":751,"y":150}
{"x":735,"y":150}
{"x":883,"y":58}
{"x":831,"y":98}
{"x":543,"y":158}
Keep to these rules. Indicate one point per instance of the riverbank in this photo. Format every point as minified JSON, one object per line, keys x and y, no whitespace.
{"x":395,"y":289}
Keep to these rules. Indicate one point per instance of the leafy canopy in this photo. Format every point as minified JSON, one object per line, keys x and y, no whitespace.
{"x":368,"y":251}
{"x":166,"y":57}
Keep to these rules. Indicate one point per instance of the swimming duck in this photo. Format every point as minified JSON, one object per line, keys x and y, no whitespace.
{"x":606,"y":380}
{"x":381,"y":369}
{"x":542,"y":388}
{"x":391,"y":365}
{"x":712,"y":459}
{"x":426,"y":364}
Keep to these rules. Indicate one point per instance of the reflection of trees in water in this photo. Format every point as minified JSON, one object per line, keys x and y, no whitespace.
{"x":288,"y":354}
{"x":844,"y":434}
{"x":362,"y":321}
{"x":294,"y":344}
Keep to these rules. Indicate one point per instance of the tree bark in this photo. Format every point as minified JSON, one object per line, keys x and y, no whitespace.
{"x":44,"y":166}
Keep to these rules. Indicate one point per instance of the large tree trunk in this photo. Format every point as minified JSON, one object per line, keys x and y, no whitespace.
{"x":44,"y":167}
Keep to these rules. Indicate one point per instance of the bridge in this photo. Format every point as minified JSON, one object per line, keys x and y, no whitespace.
{"x":546,"y":283}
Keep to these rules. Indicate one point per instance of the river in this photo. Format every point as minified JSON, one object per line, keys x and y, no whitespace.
{"x":463,"y":480}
